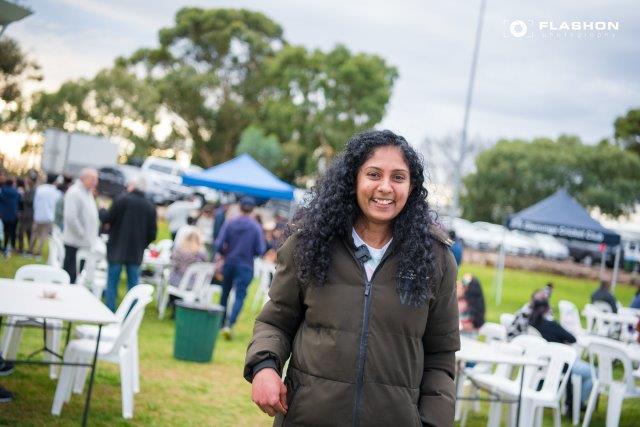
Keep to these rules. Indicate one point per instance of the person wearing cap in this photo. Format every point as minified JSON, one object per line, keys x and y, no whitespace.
{"x":240,"y":240}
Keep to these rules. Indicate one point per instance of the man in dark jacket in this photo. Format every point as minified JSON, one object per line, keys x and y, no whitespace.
{"x":132,"y":226}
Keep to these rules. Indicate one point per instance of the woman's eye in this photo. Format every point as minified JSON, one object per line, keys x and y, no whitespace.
{"x":400,"y":177}
{"x":373,"y":174}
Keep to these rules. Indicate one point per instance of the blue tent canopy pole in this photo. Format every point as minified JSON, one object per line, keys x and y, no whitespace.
{"x":560,"y":215}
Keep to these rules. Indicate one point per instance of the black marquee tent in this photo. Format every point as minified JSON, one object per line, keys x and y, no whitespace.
{"x":561,"y":215}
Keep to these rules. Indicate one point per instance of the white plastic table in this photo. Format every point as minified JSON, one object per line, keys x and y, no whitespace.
{"x":480,"y":352}
{"x":72,"y":304}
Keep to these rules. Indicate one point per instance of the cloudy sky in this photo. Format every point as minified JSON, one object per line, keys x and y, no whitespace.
{"x":544,"y":83}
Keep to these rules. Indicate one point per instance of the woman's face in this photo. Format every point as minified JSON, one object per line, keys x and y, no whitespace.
{"x":383,"y":185}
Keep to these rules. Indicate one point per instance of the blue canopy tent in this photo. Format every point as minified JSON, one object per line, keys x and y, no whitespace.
{"x":243,"y":175}
{"x":560,"y":215}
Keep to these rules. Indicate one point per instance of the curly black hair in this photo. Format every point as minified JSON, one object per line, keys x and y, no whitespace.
{"x":333,"y":209}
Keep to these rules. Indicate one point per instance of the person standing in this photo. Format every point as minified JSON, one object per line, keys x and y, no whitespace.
{"x":132,"y":225}
{"x":44,"y":209}
{"x":239,"y":241}
{"x":9,"y":200}
{"x":603,"y":294}
{"x":25,"y":214}
{"x":80,"y":217}
{"x":363,"y":302}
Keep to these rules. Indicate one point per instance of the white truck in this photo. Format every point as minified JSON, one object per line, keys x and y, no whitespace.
{"x":65,"y":152}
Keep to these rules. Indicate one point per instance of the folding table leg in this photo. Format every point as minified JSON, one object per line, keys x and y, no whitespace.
{"x":85,"y":415}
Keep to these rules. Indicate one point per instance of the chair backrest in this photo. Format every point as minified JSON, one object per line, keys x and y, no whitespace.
{"x":533,"y":331}
{"x":556,"y":375}
{"x":164,"y":245}
{"x":504,"y":370}
{"x":131,"y":324}
{"x":266,"y":272}
{"x":506,"y":319}
{"x":134,"y":294}
{"x":493,"y":332}
{"x":197,"y":275}
{"x":606,"y":351}
{"x":603,"y":306}
{"x":56,"y":248}
{"x":569,"y":317}
{"x":42,"y":273}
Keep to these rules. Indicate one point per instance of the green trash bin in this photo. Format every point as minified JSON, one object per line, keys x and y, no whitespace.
{"x":197,"y":327}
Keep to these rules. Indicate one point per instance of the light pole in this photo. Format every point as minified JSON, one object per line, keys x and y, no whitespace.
{"x":455,"y":208}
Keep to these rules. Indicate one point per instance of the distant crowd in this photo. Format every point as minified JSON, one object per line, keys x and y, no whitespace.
{"x":35,"y":206}
{"x":29,"y":207}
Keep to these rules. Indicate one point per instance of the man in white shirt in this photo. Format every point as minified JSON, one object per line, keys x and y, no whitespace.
{"x":80,"y":218}
{"x":44,"y":209}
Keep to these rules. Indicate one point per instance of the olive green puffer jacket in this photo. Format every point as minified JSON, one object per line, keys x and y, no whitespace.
{"x":359,"y":357}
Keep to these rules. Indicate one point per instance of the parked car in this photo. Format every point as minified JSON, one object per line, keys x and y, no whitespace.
{"x":474,"y":237}
{"x":589,"y":253}
{"x":164,"y":179}
{"x":550,"y":247}
{"x":517,"y":243}
{"x":111,"y":181}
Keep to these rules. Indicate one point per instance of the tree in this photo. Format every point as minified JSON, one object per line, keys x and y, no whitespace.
{"x":115,"y":103}
{"x":208,"y":67}
{"x":15,"y":69}
{"x":265,"y":149}
{"x":315,"y":98}
{"x":515,"y":174}
{"x":214,"y":73}
{"x":627,"y":131}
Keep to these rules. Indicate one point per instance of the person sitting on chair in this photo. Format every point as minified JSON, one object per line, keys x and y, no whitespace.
{"x":604,"y":294}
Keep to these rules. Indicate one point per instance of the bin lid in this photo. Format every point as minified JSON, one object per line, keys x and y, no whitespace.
{"x":211,"y":308}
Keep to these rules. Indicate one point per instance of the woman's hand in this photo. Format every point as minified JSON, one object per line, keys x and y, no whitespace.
{"x":269,"y":392}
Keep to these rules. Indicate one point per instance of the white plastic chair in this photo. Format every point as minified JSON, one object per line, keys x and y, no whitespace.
{"x":570,"y":320}
{"x":492,"y":332}
{"x":606,"y":352}
{"x":533,"y":331}
{"x":500,"y":381}
{"x":93,"y":274}
{"x":599,"y":326}
{"x":117,"y":351}
{"x":480,"y":372}
{"x":265,"y":274}
{"x":112,"y":331}
{"x":198,"y":276}
{"x":56,"y":248}
{"x":506,"y":319}
{"x":13,"y":333}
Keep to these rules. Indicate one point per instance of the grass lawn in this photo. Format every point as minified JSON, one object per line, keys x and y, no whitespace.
{"x":175,"y":393}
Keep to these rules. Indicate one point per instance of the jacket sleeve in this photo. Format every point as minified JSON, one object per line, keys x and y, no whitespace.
{"x":441,"y":340}
{"x":280,"y":318}
{"x":71,"y":213}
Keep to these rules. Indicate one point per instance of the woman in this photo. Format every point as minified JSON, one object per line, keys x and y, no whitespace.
{"x":189,"y":248}
{"x":553,"y":332}
{"x":475,"y":300}
{"x":363,"y":301}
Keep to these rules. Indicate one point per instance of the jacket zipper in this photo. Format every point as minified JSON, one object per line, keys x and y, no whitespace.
{"x":362,"y":350}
